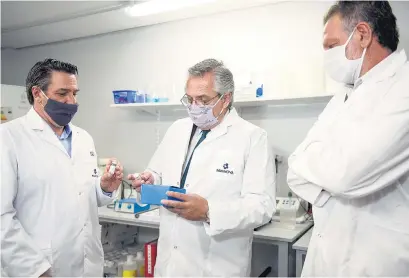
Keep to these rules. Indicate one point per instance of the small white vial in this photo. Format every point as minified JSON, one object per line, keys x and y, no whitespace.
{"x":112,"y":167}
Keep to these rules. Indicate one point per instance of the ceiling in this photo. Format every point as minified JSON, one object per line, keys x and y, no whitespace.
{"x":30,"y":23}
{"x":20,"y":14}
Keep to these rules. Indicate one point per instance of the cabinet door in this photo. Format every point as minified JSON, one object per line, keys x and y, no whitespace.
{"x":14,"y":102}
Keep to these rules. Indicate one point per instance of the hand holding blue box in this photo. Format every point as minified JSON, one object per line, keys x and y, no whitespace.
{"x":154,"y":194}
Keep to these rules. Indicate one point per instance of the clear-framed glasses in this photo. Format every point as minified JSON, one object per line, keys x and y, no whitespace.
{"x":188,"y":101}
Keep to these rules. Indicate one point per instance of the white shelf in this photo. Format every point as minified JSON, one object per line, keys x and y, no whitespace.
{"x":152,"y":107}
{"x":274,"y":231}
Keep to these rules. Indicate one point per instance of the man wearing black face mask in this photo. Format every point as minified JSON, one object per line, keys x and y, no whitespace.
{"x":51,"y":189}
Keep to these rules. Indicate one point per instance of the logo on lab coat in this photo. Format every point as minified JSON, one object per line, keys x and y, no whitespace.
{"x":95,"y":175}
{"x":91,"y":153}
{"x":225,"y":169}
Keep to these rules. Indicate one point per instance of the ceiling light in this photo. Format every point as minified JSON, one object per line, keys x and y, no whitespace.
{"x":161,"y":6}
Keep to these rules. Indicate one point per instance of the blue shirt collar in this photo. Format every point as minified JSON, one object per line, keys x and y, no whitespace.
{"x":66,"y":133}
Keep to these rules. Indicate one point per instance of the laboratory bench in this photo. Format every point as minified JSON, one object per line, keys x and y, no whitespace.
{"x":301,"y":247}
{"x":272,"y":234}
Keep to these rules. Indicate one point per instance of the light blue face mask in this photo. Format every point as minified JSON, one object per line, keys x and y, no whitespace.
{"x":202,"y":116}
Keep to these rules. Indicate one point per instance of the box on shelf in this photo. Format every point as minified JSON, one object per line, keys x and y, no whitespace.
{"x":124,"y":96}
{"x":151,"y":249}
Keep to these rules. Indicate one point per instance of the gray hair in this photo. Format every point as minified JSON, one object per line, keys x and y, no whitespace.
{"x":223,"y":78}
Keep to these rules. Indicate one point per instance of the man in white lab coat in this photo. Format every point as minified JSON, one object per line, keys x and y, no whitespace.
{"x":226,"y":166}
{"x":50,"y":188}
{"x":353,"y":165}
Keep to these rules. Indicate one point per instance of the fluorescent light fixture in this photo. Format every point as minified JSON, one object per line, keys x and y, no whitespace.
{"x":160,"y":6}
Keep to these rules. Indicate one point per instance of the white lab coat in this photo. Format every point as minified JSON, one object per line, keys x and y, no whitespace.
{"x":354,"y":168}
{"x":49,"y":201}
{"x":239,"y":200}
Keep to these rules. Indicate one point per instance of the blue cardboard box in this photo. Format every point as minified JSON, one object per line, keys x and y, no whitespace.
{"x":154,"y":194}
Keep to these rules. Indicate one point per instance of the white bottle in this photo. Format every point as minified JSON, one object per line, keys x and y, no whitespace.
{"x":112,"y":167}
{"x":140,"y":264}
{"x":129,"y":268}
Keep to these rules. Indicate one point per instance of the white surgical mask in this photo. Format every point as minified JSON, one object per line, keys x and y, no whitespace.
{"x":202,"y":116}
{"x":339,"y":67}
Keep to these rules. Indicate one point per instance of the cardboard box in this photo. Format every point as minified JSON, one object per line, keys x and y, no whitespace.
{"x":151,"y":249}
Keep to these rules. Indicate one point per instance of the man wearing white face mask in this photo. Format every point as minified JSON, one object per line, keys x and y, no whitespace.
{"x":227,"y":167}
{"x":353,"y":165}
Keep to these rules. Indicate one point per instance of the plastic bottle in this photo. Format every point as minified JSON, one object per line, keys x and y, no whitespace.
{"x":110,"y":269}
{"x":129,"y":268}
{"x":120,"y":266}
{"x":140,"y":264}
{"x":259,"y":91}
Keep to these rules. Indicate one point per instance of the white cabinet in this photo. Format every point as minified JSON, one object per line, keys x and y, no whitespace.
{"x":14,"y":102}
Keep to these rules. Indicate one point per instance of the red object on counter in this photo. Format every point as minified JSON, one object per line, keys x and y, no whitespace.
{"x":151,"y":249}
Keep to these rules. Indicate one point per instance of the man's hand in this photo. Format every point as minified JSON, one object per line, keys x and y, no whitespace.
{"x":191,"y":207}
{"x":137,"y":181}
{"x":109,"y":182}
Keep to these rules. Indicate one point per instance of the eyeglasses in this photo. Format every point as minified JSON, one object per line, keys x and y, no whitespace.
{"x":187,"y":100}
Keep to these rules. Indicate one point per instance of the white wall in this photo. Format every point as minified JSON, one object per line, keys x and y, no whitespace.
{"x":283,"y":41}
{"x":15,"y":99}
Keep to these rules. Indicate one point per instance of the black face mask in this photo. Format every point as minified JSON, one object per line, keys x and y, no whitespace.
{"x":61,"y":113}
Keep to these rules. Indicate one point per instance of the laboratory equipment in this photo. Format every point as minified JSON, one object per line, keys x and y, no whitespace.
{"x":163,"y":99}
{"x":288,"y":213}
{"x":129,"y":268}
{"x":151,"y":250}
{"x":126,"y":191}
{"x":154,"y":194}
{"x":291,"y":206}
{"x":110,"y":269}
{"x":140,"y":264}
{"x":130,"y":205}
{"x":141,"y":97}
{"x":259,"y":91}
{"x":124,"y":96}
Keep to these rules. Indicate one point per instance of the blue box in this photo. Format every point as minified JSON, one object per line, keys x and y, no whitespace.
{"x":154,"y":194}
{"x":141,"y":98}
{"x":124,"y":96}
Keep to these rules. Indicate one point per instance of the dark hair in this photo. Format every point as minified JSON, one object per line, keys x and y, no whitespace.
{"x":40,"y":75}
{"x":378,"y":14}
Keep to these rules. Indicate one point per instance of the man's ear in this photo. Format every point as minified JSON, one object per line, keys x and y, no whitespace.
{"x":366,"y":34}
{"x":37,"y":95}
{"x":227,"y":100}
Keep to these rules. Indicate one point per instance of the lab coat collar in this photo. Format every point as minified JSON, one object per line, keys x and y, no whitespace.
{"x":37,"y":123}
{"x":223,"y":127}
{"x":34,"y":120}
{"x":386,"y":68}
